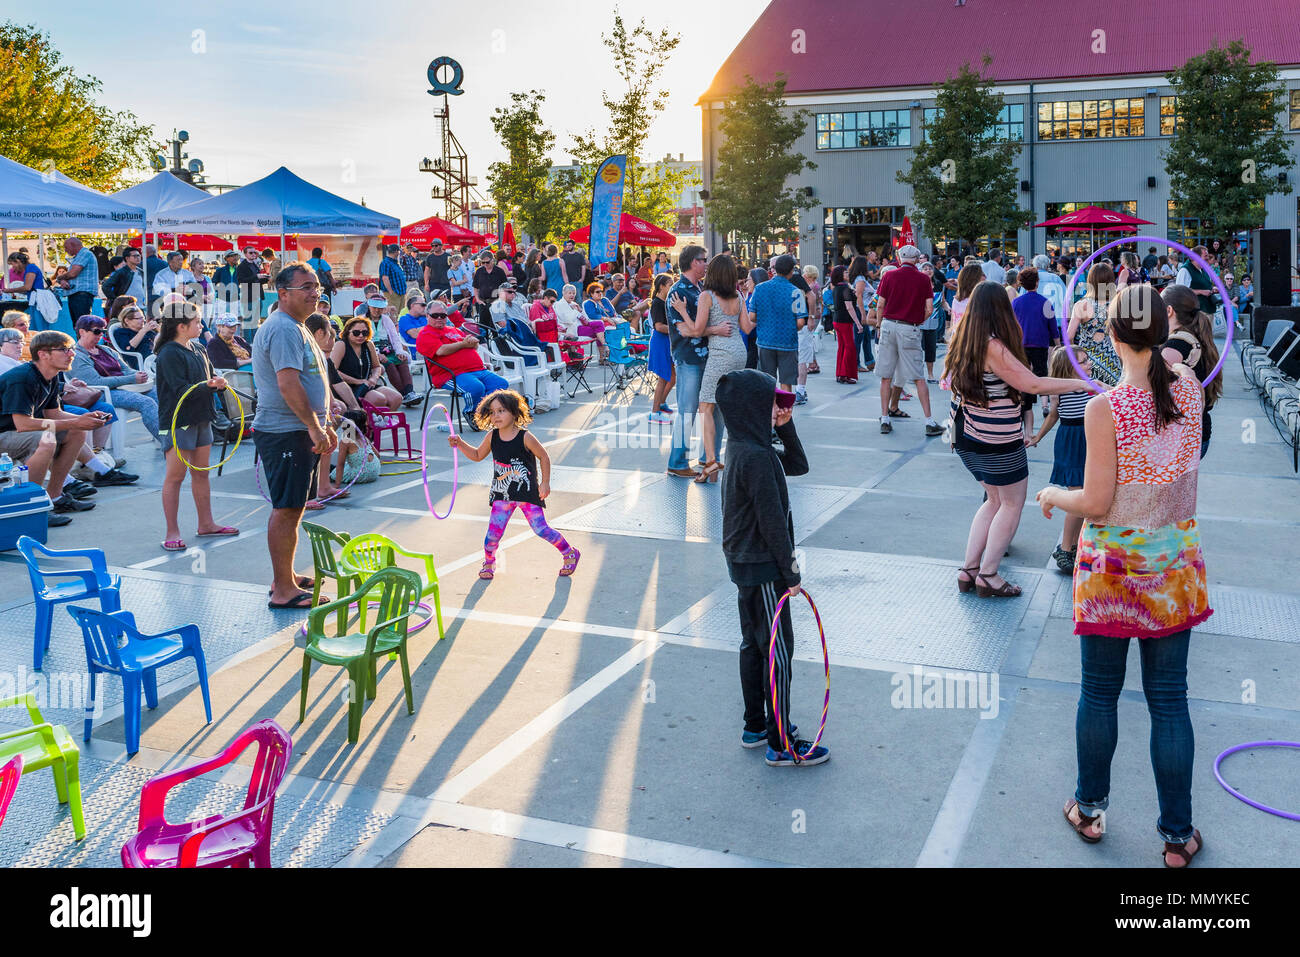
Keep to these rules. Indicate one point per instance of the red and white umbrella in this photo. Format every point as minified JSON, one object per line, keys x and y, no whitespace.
{"x":632,"y":232}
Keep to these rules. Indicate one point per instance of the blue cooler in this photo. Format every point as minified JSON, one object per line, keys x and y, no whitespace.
{"x":22,"y":512}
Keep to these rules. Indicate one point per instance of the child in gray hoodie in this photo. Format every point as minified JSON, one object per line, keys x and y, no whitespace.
{"x":758,"y":542}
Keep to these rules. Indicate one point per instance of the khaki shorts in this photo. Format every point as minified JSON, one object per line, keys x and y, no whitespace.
{"x":898,"y":355}
{"x":396,"y":299}
{"x":20,"y":445}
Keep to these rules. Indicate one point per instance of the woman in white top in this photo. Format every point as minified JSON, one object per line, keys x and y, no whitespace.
{"x":568,"y":313}
{"x":11,"y":349}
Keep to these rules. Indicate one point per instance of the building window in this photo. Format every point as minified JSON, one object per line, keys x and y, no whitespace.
{"x":1169,"y":116}
{"x":1295,"y":110}
{"x":855,"y":230}
{"x":865,"y":130}
{"x":1188,"y":230}
{"x":1010,"y":125}
{"x":1076,"y":241}
{"x":1091,"y":119}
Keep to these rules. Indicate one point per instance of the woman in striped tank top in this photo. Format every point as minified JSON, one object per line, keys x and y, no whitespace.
{"x":1140,"y":572}
{"x":1071,"y":448}
{"x":990,"y":375}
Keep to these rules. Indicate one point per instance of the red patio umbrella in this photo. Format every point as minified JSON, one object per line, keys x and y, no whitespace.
{"x":633,"y":231}
{"x":424,"y":232}
{"x":1094,"y":218}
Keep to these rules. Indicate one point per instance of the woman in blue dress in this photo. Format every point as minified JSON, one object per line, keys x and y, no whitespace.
{"x":660,"y":361}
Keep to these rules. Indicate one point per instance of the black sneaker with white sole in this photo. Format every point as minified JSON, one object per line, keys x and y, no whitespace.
{"x":66,"y":503}
{"x":885,"y":427}
{"x":934,"y":429}
{"x":115,"y":477}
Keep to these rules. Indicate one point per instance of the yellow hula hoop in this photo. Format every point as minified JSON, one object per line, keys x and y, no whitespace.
{"x":177,"y":449}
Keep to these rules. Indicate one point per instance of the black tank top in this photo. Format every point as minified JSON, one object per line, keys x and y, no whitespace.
{"x":514,"y":470}
{"x":356,"y":366}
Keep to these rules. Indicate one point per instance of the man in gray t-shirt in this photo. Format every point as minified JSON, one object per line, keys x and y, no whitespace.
{"x":290,"y":429}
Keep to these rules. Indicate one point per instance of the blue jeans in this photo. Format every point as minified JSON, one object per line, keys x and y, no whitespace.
{"x":100,"y":406}
{"x":863,"y":342}
{"x":146,"y":403}
{"x":477,"y":384}
{"x":1096,"y":727}
{"x":688,"y":405}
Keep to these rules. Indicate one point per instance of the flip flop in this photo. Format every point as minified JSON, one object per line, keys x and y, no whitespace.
{"x":301,"y":600}
{"x":223,"y":530}
{"x":302,"y":581}
{"x":174,"y":545}
{"x":314,"y":506}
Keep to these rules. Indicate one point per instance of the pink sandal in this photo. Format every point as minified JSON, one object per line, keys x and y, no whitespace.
{"x":570,"y":562}
{"x":220,"y":530}
{"x":174,"y":545}
{"x":488,"y":571}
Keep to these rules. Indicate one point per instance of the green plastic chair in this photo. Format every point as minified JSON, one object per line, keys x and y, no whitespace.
{"x":369,"y":553}
{"x":398,"y":590}
{"x":46,"y":745}
{"x":323,"y":542}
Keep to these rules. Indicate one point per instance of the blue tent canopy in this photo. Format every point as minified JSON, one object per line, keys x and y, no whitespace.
{"x":160,"y":194}
{"x":51,"y":202}
{"x":281,"y":202}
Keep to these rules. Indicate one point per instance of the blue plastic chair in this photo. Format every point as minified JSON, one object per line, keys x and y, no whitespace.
{"x":95,"y":582}
{"x":115,"y":646}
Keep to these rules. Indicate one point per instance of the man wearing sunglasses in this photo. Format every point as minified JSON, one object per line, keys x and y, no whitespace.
{"x":33,"y":425}
{"x":290,"y":427}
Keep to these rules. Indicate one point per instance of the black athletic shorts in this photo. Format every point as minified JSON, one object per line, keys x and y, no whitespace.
{"x":289,"y":465}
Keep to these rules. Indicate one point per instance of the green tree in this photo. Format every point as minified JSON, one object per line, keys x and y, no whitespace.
{"x":48,"y":116}
{"x":748,"y":195}
{"x":963,"y":177}
{"x":650,"y":190}
{"x":1227,"y":150}
{"x":523,"y":187}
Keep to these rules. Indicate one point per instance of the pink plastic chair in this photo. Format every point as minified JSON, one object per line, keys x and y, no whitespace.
{"x":240,"y":840}
{"x":381,"y":421}
{"x":9,"y":775}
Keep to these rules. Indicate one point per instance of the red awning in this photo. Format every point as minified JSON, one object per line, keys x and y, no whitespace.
{"x":632,"y":232}
{"x":423,"y":233}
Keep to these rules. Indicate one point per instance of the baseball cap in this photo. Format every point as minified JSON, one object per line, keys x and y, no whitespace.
{"x":228,"y":319}
{"x":909,"y":254}
{"x":785,"y":399}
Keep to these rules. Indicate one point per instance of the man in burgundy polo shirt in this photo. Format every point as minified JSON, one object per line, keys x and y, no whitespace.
{"x":905,"y":298}
{"x":457,"y":353}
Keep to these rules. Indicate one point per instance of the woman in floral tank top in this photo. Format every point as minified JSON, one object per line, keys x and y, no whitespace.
{"x":1140,"y":572}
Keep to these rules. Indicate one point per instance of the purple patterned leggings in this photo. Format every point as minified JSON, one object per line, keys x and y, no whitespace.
{"x":536,"y":515}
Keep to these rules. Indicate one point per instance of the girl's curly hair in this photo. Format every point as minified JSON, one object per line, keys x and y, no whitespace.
{"x":512,"y":401}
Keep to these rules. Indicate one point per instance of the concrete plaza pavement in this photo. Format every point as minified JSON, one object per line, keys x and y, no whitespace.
{"x":595,"y":721}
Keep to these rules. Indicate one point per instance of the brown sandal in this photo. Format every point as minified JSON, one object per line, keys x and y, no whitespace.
{"x":1085,"y":822}
{"x":985,"y":590}
{"x":966,"y":586}
{"x":710,"y":473}
{"x":1180,"y":851}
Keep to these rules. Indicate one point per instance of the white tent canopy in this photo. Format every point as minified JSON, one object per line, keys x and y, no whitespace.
{"x":51,"y":202}
{"x":160,"y":194}
{"x":280,"y":202}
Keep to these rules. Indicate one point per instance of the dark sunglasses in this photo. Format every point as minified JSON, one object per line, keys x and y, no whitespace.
{"x":358,"y":332}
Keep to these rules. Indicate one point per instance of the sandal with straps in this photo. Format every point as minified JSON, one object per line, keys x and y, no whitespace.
{"x":1084,"y":824}
{"x":488,"y":571}
{"x":985,"y":590}
{"x":966,"y":585}
{"x":1180,"y":851}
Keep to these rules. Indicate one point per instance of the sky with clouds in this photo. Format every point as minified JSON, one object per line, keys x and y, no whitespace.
{"x":337,"y":91}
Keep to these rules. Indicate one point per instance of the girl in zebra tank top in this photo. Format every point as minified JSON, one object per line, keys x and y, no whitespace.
{"x":521,"y":475}
{"x":1071,"y":449}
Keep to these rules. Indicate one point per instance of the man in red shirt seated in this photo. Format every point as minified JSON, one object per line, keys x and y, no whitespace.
{"x":457,"y":353}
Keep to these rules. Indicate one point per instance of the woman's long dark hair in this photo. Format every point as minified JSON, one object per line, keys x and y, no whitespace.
{"x":988,"y":316}
{"x":1137,"y":318}
{"x":176,"y":313}
{"x":971,"y":275}
{"x":1187,"y":310}
{"x":722,"y":277}
{"x":858,"y":268}
{"x":837,"y":275}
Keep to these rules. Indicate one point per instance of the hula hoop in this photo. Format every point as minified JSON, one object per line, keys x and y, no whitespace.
{"x":1241,"y":797}
{"x":1229,"y":314}
{"x":786,"y":743}
{"x":176,"y":447}
{"x":424,"y":468}
{"x":410,"y":630}
{"x":367,"y":450}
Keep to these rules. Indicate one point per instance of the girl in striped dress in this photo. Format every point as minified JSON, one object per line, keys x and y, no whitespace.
{"x":1071,"y":448}
{"x":990,"y":373}
{"x":1140,"y":572}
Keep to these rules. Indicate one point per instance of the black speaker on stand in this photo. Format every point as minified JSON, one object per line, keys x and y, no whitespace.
{"x":1273,"y":267}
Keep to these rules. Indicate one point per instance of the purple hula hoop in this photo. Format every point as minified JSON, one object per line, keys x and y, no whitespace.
{"x":1237,"y":794}
{"x":1082,"y":271}
{"x":419,"y":606}
{"x":424,"y":465}
{"x":369,"y":449}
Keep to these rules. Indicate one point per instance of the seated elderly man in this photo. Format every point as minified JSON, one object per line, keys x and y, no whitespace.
{"x":508,"y":305}
{"x":457,"y":358}
{"x":414,"y":319}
